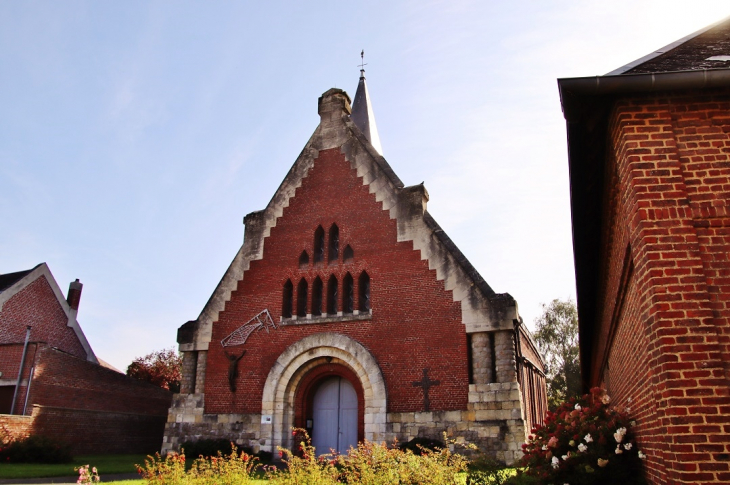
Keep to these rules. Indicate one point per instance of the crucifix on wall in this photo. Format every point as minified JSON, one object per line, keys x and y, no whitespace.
{"x":233,"y":369}
{"x":425,"y":384}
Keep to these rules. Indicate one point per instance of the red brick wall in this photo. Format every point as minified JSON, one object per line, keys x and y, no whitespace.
{"x":415,"y":323}
{"x":99,"y":432}
{"x":36,"y":305}
{"x":663,"y":343}
{"x":10,"y":356}
{"x":14,"y":427}
{"x":65,"y":381}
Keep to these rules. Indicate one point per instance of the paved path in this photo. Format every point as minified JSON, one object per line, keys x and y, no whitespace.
{"x":70,"y":479}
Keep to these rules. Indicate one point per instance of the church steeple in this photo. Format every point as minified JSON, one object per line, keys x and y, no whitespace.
{"x":362,"y":111}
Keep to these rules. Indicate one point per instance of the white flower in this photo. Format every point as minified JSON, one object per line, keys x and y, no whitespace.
{"x":605,"y":399}
{"x":588,"y":438}
{"x":577,"y":407}
{"x":627,"y":446}
{"x":641,"y":455}
{"x":582,"y":447}
{"x":619,"y":450}
{"x":565,"y":457}
{"x":619,"y":435}
{"x":555,"y":462}
{"x":544,"y":447}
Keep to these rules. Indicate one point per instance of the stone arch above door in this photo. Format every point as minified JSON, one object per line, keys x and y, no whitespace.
{"x":281,"y":384}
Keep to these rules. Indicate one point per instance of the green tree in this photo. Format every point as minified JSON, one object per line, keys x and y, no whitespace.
{"x":556,"y":336}
{"x":162,"y":368}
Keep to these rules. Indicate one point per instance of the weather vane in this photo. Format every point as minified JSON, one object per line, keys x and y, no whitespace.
{"x":362,"y":60}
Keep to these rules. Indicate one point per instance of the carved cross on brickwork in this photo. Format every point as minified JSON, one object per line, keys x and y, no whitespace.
{"x":425,"y":384}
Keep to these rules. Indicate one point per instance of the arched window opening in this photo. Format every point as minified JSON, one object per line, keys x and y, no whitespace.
{"x":286,"y":303}
{"x":304,"y":259}
{"x":363,"y":284}
{"x":332,"y":296}
{"x":319,"y":245}
{"x":347,"y":294}
{"x":302,"y":298}
{"x":317,"y":297}
{"x":348,"y":254}
{"x":334,"y":252}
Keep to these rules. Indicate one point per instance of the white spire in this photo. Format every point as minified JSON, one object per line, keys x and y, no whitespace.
{"x":362,"y":113}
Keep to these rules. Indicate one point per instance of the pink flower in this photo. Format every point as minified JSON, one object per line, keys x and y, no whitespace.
{"x":552,"y":442}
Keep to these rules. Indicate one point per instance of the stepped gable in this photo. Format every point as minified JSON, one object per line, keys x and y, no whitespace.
{"x":482,"y":308}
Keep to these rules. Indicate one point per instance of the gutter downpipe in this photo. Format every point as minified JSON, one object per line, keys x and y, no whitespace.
{"x":20,"y":371}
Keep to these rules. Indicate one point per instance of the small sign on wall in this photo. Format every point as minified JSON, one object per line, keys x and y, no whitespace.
{"x":265,"y":419}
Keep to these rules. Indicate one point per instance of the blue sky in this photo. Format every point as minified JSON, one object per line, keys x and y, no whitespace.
{"x":134,"y":136}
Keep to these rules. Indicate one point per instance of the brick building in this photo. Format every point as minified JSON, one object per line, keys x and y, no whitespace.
{"x":348,"y":311}
{"x":649,"y":150}
{"x":63,"y":390}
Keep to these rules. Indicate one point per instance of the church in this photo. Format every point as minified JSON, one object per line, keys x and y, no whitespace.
{"x":349,"y":312}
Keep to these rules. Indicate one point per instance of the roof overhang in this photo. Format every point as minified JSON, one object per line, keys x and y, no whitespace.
{"x":586,"y":104}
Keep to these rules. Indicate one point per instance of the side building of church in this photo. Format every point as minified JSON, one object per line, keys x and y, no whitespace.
{"x":649,"y":158}
{"x":350,"y":313}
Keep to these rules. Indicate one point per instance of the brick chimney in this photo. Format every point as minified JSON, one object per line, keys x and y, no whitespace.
{"x":74,"y":295}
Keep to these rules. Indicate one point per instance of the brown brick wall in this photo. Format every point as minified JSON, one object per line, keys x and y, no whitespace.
{"x":415,"y":323}
{"x":36,"y":305}
{"x":97,"y":432}
{"x":662,"y":346}
{"x":64,"y":381}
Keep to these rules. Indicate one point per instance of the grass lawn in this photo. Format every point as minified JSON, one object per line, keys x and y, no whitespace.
{"x":106,"y":464}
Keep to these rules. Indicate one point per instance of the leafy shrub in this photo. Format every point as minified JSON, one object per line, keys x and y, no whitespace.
{"x":207,"y":447}
{"x":230,"y":469}
{"x":584,"y":442}
{"x":368,"y":464}
{"x":419,"y":445}
{"x":35,"y":449}
{"x":487,"y":471}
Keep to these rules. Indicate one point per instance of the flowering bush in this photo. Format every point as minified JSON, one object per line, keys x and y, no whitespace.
{"x":86,"y":476}
{"x":234,"y":468}
{"x":584,"y":442}
{"x":368,"y":464}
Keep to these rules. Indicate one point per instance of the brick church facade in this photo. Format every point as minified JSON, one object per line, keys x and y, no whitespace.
{"x":649,"y":154}
{"x":349,"y":312}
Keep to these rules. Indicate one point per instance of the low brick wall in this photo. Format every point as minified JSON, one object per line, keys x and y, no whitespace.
{"x":95,"y":432}
{"x":14,"y":427}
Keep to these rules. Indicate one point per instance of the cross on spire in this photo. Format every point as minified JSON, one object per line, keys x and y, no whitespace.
{"x":362,"y":61}
{"x":425,"y":384}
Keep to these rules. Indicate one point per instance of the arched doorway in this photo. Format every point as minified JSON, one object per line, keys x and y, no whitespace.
{"x":334,"y":416}
{"x":299,"y":370}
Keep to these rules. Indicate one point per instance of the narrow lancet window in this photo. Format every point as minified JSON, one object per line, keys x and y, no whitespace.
{"x":304,"y":259}
{"x":302,"y":298}
{"x":348,"y":254}
{"x":317,"y":297}
{"x":347,"y":294}
{"x":332,"y":296}
{"x":334,"y":252}
{"x":319,"y":245}
{"x":363,"y":284}
{"x":286,"y":303}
